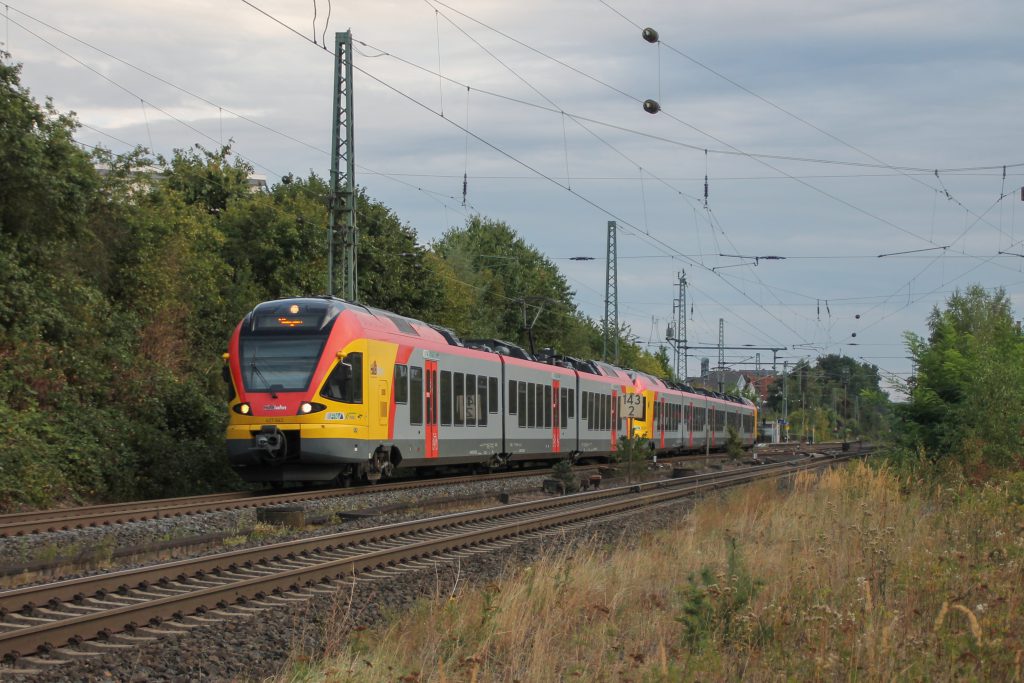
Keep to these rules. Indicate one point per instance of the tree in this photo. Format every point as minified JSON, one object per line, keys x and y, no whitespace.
{"x":394,"y":270}
{"x":47,"y":181}
{"x":966,"y":398}
{"x":512,"y":281}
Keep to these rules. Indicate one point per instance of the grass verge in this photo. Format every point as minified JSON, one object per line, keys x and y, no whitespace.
{"x":856,"y":574}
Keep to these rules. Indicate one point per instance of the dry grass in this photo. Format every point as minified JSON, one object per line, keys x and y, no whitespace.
{"x":853,"y":575}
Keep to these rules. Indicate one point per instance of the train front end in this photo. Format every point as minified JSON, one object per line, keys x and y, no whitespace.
{"x":295,"y":367}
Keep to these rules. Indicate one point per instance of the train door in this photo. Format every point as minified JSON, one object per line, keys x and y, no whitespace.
{"x":615,"y":422}
{"x":712,"y":414}
{"x":556,"y":418}
{"x":380,"y":390}
{"x":689,"y":424}
{"x":662,"y":419}
{"x":430,"y":407}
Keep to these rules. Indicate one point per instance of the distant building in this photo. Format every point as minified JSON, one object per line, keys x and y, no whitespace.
{"x":761,"y":381}
{"x":719,"y":380}
{"x":257,"y":181}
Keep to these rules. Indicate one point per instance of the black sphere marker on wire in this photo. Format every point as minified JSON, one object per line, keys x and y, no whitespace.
{"x":651,"y":36}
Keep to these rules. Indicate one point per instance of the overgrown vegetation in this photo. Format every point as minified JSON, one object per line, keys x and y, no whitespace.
{"x":631,"y":454}
{"x":965,"y":401}
{"x":120,"y":288}
{"x":566,"y":477}
{"x":859,"y":574}
{"x":733,"y":443}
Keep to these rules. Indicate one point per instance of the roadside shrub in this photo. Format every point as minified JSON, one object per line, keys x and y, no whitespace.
{"x":711,"y":603}
{"x":631,"y":454}
{"x":733,"y":445}
{"x":562,"y":471}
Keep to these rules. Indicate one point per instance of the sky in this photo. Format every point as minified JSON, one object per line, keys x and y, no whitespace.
{"x":839,"y":135}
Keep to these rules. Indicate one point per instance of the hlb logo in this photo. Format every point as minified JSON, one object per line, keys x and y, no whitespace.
{"x":271,"y":406}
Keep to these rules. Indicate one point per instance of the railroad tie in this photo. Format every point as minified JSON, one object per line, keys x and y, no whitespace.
{"x":4,"y":671}
{"x":196,"y":620}
{"x":282,"y":599}
{"x":43,"y":662}
{"x":130,"y":639}
{"x":103,"y":646}
{"x":71,"y":654}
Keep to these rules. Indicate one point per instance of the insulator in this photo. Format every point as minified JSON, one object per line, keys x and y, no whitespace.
{"x":854,"y":334}
{"x":857,"y":316}
{"x":651,"y":106}
{"x":650,"y":35}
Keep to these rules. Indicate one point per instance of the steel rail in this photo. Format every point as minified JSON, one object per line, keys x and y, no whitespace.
{"x":75,"y":629}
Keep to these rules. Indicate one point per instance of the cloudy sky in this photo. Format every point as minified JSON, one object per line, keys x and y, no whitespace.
{"x":830,"y":133}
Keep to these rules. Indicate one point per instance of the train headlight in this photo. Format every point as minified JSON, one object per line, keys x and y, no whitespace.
{"x":305,"y":408}
{"x":243,"y":409}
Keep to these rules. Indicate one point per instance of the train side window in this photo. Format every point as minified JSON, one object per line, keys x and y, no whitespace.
{"x":607,"y":412}
{"x":591,"y":413}
{"x":401,"y":384}
{"x":564,"y":412}
{"x":513,"y":394}
{"x":481,"y":392}
{"x":345,"y":383}
{"x":416,"y":394}
{"x":539,"y":390}
{"x":446,"y":397}
{"x":470,"y":400}
{"x":547,"y":406}
{"x":492,"y":390}
{"x":460,"y":398}
{"x":572,"y":402}
{"x":531,"y":405}
{"x":521,"y":397}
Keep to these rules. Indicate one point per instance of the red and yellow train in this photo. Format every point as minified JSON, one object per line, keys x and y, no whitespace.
{"x":325,"y":390}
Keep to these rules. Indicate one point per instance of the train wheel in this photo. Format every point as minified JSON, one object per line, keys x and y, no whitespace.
{"x":344,"y":478}
{"x":380,"y":466}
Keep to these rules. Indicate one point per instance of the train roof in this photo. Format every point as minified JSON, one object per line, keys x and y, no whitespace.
{"x":500,"y":347}
{"x":319,"y":312}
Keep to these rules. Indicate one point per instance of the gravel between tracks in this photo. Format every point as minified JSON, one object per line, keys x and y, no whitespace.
{"x":258,"y":648}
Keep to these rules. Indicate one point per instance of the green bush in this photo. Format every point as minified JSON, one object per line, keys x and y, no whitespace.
{"x":631,"y":453}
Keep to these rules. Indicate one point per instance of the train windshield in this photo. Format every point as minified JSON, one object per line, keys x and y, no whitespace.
{"x":275,"y":363}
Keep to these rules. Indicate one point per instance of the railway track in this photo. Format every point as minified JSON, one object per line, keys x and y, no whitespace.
{"x":42,"y":521}
{"x":20,"y":524}
{"x":62,"y":621}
